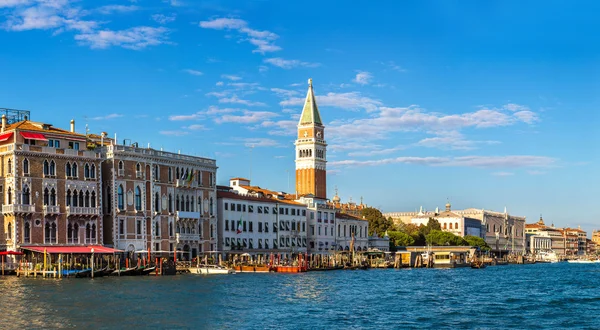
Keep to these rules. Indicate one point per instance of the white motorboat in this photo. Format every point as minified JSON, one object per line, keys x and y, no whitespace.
{"x":210,"y":269}
{"x":583,"y":261}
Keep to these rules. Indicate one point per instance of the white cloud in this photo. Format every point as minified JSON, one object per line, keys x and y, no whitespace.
{"x":174,"y":3}
{"x":109,"y":9}
{"x":263,"y":40}
{"x":281,"y":127}
{"x":466,"y":161}
{"x":194,"y":116}
{"x":260,"y":142}
{"x":536,"y":172}
{"x":111,"y":116}
{"x":263,"y":68}
{"x":503,"y":173}
{"x":135,"y":38}
{"x":196,"y":127}
{"x":213,"y":110}
{"x":247,"y":117}
{"x":13,"y":3}
{"x":284,"y":92}
{"x":363,"y":78}
{"x":231,"y":77}
{"x":348,"y":101}
{"x":193,"y":72}
{"x":515,"y":107}
{"x":163,"y":19}
{"x":219,"y":83}
{"x":451,"y":140}
{"x":288,"y":64}
{"x":376,"y":152}
{"x":236,"y":100}
{"x":526,"y":116}
{"x":218,"y":94}
{"x":174,"y":133}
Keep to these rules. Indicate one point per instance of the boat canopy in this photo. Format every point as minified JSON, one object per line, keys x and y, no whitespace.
{"x":99,"y":249}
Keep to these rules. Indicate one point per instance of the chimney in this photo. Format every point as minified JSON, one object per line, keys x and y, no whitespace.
{"x":3,"y":123}
{"x":72,"y":126}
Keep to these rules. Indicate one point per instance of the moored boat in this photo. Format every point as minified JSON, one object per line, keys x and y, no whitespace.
{"x":252,"y":268}
{"x":124,"y":271}
{"x":210,"y":270}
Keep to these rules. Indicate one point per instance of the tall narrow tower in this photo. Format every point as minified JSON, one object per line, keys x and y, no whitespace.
{"x":311,"y":155}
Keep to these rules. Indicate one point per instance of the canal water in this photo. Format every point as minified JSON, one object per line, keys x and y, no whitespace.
{"x":546,"y":296}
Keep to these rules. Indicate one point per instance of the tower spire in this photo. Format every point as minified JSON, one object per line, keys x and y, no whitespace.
{"x":310,"y":112}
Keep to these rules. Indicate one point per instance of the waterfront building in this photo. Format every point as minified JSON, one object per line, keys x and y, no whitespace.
{"x":596,"y":236}
{"x":352,"y":231}
{"x":159,"y":201}
{"x":504,"y":233}
{"x":50,"y":185}
{"x":591,"y":247}
{"x":452,"y":222}
{"x":321,"y":221}
{"x":259,"y":221}
{"x":379,"y":243}
{"x":565,"y":241}
{"x":576,"y":241}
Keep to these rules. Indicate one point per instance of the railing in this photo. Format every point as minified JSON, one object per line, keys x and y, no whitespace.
{"x":139,"y":174}
{"x":121,"y":172}
{"x":152,"y":152}
{"x":51,"y":209}
{"x":80,"y":210}
{"x":18,"y":208}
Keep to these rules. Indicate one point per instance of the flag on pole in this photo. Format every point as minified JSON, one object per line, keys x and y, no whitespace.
{"x":184,"y":174}
{"x":239,"y":228}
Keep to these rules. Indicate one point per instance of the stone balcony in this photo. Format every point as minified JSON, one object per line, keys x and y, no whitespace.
{"x":18,"y":209}
{"x":187,"y":215}
{"x":82,"y":211}
{"x":51,"y":209}
{"x":188,"y":237}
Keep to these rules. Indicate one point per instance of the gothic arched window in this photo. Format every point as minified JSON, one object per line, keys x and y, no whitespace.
{"x":138,"y":199}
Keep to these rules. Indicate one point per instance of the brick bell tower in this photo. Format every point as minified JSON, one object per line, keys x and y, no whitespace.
{"x":311,"y":150}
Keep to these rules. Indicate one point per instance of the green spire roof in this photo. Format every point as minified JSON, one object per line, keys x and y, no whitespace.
{"x":310,"y":112}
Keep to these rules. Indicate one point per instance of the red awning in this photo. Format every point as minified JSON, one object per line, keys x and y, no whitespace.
{"x":10,"y":253}
{"x":71,"y":249}
{"x":5,"y":136}
{"x":33,"y":136}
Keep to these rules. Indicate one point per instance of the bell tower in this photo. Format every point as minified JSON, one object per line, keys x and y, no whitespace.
{"x":311,"y":150}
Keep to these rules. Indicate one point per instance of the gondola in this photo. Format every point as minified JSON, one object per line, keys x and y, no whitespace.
{"x":83,"y":273}
{"x":124,"y":271}
{"x":148,"y":270}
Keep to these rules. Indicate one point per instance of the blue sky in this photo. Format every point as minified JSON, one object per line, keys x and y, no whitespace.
{"x":487,"y":104}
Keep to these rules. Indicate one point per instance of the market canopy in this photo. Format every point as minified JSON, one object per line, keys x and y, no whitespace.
{"x":71,"y":249}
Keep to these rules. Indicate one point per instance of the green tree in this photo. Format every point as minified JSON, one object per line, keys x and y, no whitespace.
{"x":478,"y":242}
{"x":441,"y":238}
{"x":399,"y":238}
{"x":432,"y":224}
{"x":377,"y":222}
